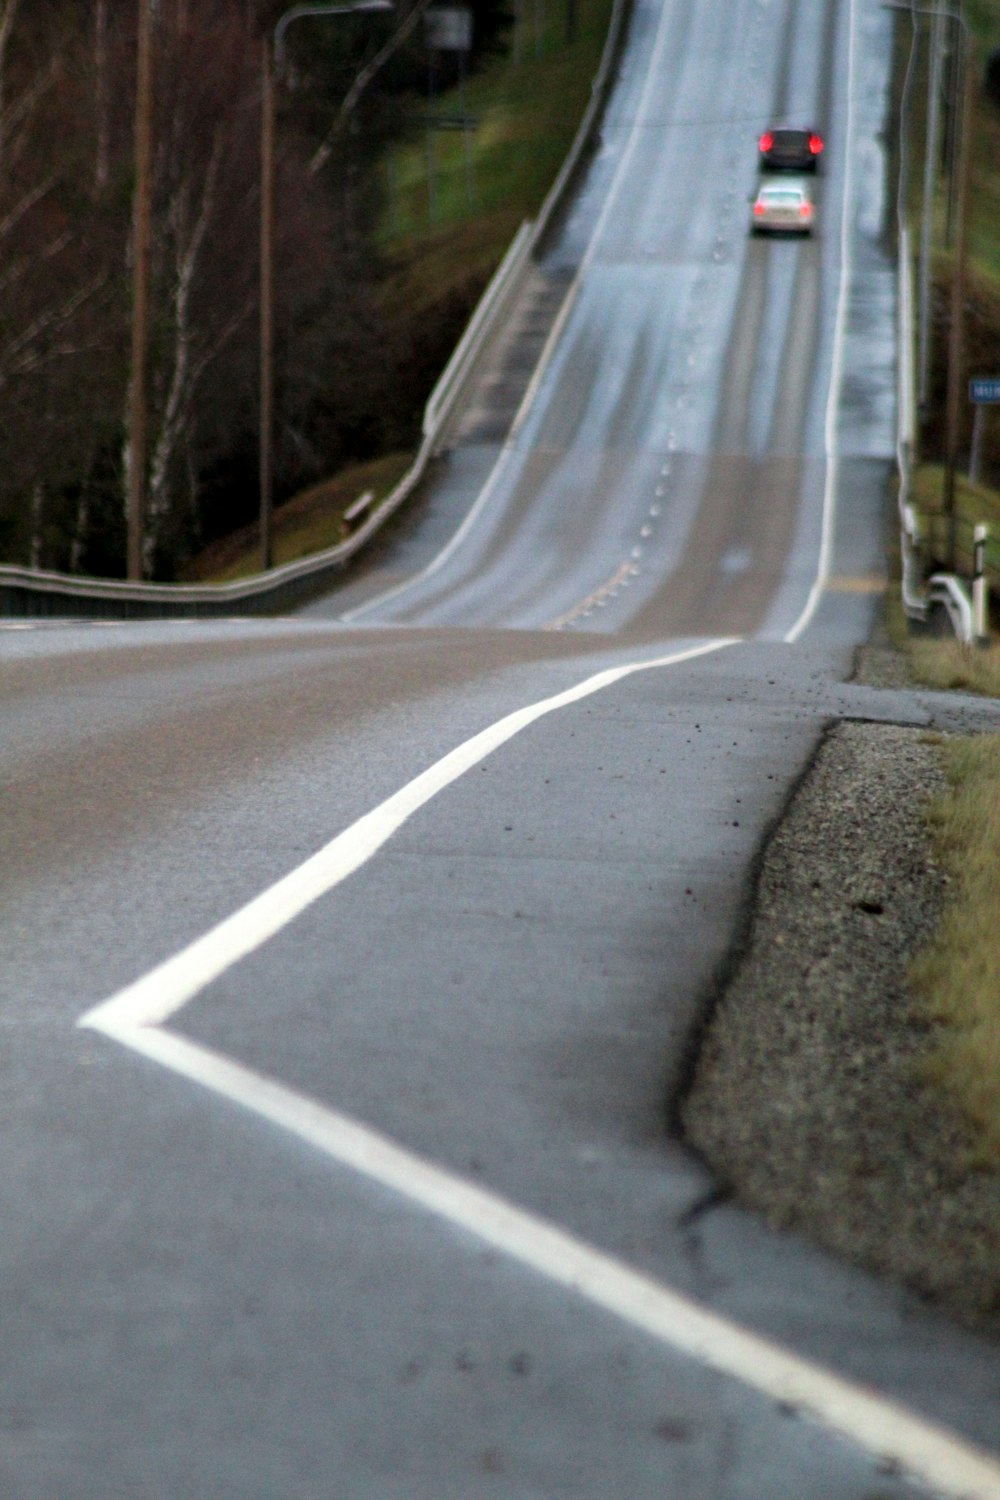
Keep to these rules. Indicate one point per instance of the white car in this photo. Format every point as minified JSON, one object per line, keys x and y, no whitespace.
{"x":783,"y":207}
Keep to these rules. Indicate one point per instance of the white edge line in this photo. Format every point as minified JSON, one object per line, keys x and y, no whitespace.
{"x":158,"y":994}
{"x":926,"y":1452}
{"x":482,"y":499}
{"x":503,"y":460}
{"x":836,"y":377}
{"x":133,"y":1016}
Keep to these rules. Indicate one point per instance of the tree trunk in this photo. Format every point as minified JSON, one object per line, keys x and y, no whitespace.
{"x":8,"y":10}
{"x":102,"y":99}
{"x":37,"y":517}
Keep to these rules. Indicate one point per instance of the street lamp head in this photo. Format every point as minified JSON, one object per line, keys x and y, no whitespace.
{"x":300,"y":12}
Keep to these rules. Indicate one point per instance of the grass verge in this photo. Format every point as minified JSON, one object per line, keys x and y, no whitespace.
{"x":950,"y":665}
{"x":308,"y":523}
{"x":958,"y":977}
{"x":454,"y":202}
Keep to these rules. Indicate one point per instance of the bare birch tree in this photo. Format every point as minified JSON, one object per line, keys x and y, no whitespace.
{"x":54,"y":272}
{"x":67,"y":91}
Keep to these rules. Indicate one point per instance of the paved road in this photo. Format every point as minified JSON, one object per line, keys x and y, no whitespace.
{"x":669,"y":477}
{"x":361,"y":1181}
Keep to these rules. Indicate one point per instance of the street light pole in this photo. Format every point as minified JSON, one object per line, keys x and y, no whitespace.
{"x":272,"y":67}
{"x":956,"y":332}
{"x":265,"y":456}
{"x":141,"y":238}
{"x":931,"y":146}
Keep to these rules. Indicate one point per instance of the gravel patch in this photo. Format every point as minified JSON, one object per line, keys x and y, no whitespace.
{"x":808,"y":1100}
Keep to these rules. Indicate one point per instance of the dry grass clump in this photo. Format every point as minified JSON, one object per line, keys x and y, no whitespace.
{"x":948,"y":664}
{"x":958,"y":976}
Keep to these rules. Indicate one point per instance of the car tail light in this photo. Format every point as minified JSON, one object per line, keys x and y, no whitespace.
{"x":758,"y":209}
{"x":767,"y":141}
{"x":815,"y":144}
{"x":805,"y":210}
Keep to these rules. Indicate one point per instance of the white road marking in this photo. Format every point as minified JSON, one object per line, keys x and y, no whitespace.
{"x":952,"y":1467}
{"x":155,"y":997}
{"x":134,"y":1017}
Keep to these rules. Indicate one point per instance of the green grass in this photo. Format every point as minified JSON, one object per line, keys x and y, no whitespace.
{"x":948,"y":665}
{"x":306,"y":524}
{"x":527,"y":108}
{"x":975,"y":504}
{"x":958,"y":977}
{"x":984,"y":206}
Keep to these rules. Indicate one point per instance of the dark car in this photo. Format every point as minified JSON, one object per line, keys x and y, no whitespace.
{"x":790,"y":150}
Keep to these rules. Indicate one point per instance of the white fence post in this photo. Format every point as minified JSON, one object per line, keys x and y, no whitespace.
{"x":980,"y":622}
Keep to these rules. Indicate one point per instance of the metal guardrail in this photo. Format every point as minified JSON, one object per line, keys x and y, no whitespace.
{"x":493,"y":304}
{"x":914,"y":596}
{"x":943,"y":596}
{"x":25,"y":592}
{"x":947,"y":598}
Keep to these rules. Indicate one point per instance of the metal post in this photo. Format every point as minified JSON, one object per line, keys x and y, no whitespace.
{"x":267,"y":304}
{"x":957,"y":64}
{"x":272,"y":62}
{"x":931,"y":147}
{"x":956,"y":339}
{"x":470,"y":180}
{"x":980,"y":621}
{"x":138,"y":439}
{"x":976,"y":451}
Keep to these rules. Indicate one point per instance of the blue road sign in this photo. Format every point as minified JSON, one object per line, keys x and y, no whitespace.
{"x":985,"y":390}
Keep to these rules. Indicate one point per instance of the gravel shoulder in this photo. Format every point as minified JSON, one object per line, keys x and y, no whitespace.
{"x":807,"y":1100}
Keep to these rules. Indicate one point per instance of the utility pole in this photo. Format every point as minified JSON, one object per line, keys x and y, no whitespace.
{"x":138,"y":440}
{"x":958,"y":205}
{"x":272,"y":68}
{"x":956,"y":333}
{"x":931,"y":148}
{"x":267,"y":305}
